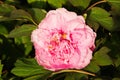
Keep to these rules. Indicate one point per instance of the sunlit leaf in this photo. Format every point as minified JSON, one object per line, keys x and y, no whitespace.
{"x":117,"y":62}
{"x":37,"y":14}
{"x":37,"y":3}
{"x":38,"y":77}
{"x":102,"y":58}
{"x":1,"y":66}
{"x":75,"y":76}
{"x":92,"y":67}
{"x":26,"y":41}
{"x":3,"y":30}
{"x":6,"y":9}
{"x":28,"y":68}
{"x":80,"y":3}
{"x":3,"y":18}
{"x":93,"y":24}
{"x":24,"y":30}
{"x":103,"y":19}
{"x":56,"y":3}
{"x":98,"y":79}
{"x":20,"y":14}
{"x":115,"y":12}
{"x":115,"y":5}
{"x":116,"y":79}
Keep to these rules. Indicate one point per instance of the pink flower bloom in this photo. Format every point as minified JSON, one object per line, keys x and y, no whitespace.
{"x":63,"y":41}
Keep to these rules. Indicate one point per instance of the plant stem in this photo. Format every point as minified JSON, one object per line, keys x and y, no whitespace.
{"x":77,"y":71}
{"x":99,"y":2}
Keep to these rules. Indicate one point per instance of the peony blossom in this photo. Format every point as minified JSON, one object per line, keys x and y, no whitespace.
{"x":63,"y":41}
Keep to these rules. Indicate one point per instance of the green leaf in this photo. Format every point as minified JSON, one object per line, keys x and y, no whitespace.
{"x":3,"y":18}
{"x":37,"y":14}
{"x":98,"y":79}
{"x":75,"y":76}
{"x":102,"y":58}
{"x":115,"y":5}
{"x":26,"y":41}
{"x":56,"y":3}
{"x":80,"y":3}
{"x":6,"y":9}
{"x":102,"y":17}
{"x":116,"y":79}
{"x":117,"y":62}
{"x":38,"y":77}
{"x":24,"y":30}
{"x":93,"y":24}
{"x":20,"y":14}
{"x":28,"y":68}
{"x":1,"y":66}
{"x":92,"y":67}
{"x":37,"y":3}
{"x":3,"y":30}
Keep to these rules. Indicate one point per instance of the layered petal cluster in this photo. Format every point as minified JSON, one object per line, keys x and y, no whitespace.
{"x":63,"y":41}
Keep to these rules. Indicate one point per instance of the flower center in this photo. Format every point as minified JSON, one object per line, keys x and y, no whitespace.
{"x":56,"y":39}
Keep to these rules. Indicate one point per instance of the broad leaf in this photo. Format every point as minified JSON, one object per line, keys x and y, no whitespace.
{"x":102,"y":17}
{"x":20,"y":14}
{"x":3,"y":30}
{"x":24,"y":30}
{"x":92,"y":67}
{"x":114,"y":44}
{"x":93,"y":24}
{"x":115,"y":12}
{"x":102,"y":58}
{"x":6,"y":9}
{"x":116,"y":78}
{"x":80,"y":3}
{"x":28,"y":68}
{"x":26,"y":41}
{"x":1,"y":66}
{"x":56,"y":3}
{"x":117,"y":62}
{"x":37,"y":14}
{"x":37,"y":3}
{"x":38,"y":77}
{"x":115,"y":5}
{"x":75,"y":76}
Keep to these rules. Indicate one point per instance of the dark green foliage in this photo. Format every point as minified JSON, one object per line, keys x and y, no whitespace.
{"x":18,"y":18}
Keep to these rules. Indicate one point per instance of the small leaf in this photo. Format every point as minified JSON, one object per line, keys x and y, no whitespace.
{"x":102,"y":17}
{"x":102,"y":58}
{"x":80,"y":3}
{"x":24,"y":30}
{"x":37,"y":14}
{"x":57,"y":3}
{"x":28,"y":68}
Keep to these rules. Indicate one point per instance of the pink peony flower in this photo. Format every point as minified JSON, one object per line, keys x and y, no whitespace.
{"x":63,"y":41}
